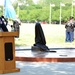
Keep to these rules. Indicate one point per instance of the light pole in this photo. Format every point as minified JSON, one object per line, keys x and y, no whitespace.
{"x":61,"y":4}
{"x":51,"y":5}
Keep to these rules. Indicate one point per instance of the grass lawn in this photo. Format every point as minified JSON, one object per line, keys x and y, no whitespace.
{"x":54,"y":34}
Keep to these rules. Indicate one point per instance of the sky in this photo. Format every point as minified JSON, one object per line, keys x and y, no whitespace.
{"x":2,"y":1}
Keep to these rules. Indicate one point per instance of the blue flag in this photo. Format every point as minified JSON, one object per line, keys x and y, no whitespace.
{"x":9,"y":11}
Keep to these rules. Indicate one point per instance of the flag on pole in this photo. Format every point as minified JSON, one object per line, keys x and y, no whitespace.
{"x":61,"y":4}
{"x":52,"y":5}
{"x":9,"y":11}
{"x":19,"y":4}
{"x":73,"y":2}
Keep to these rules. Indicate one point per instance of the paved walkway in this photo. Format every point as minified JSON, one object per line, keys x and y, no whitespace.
{"x":44,"y":68}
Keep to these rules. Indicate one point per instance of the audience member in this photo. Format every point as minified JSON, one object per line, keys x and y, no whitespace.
{"x":70,"y":30}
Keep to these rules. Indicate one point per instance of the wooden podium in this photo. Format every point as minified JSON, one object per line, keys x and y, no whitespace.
{"x":7,"y":52}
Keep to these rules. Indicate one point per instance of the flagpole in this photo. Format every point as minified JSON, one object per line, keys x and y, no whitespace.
{"x":50,"y":15}
{"x":60,"y":13}
{"x":51,"y":5}
{"x":72,"y":9}
{"x":61,"y":5}
{"x":18,"y":10}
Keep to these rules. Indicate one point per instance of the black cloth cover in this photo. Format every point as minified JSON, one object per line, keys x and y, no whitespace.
{"x":40,"y":38}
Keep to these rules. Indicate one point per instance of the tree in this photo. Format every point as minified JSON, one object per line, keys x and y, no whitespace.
{"x":41,"y":11}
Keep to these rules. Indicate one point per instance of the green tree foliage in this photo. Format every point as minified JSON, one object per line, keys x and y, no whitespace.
{"x":41,"y":11}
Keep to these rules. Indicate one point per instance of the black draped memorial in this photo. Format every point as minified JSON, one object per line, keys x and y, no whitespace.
{"x":40,"y":42}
